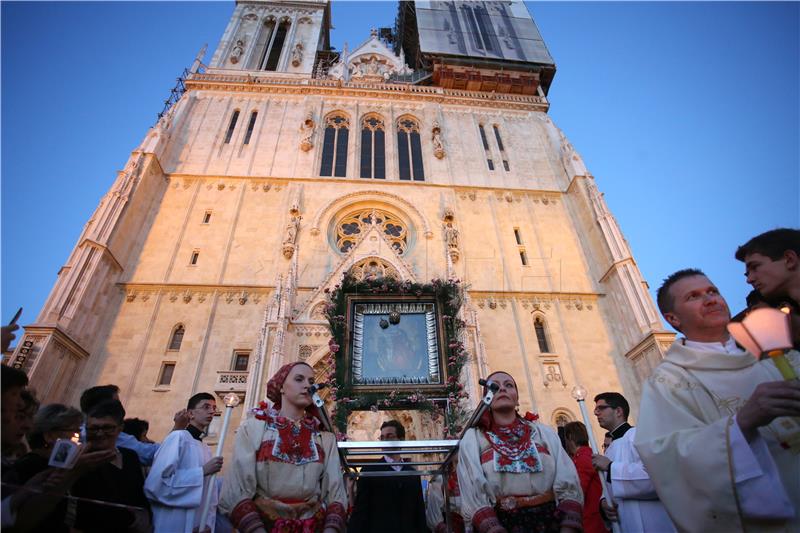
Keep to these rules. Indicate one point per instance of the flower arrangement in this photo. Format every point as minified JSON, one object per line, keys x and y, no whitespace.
{"x":449,"y":294}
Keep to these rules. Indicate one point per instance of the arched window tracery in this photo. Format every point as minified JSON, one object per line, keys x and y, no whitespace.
{"x":373,"y":150}
{"x":176,"y":339}
{"x":409,"y":149}
{"x":351,"y":226}
{"x":334,"y":146}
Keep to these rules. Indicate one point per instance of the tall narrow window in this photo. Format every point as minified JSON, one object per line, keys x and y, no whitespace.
{"x":165,"y":377}
{"x":177,"y":338}
{"x":497,"y":136}
{"x":373,"y":158}
{"x":523,"y":257}
{"x":334,"y":147}
{"x":231,"y":126}
{"x":541,"y":335}
{"x":261,"y":47}
{"x":409,"y":150}
{"x":207,"y":217}
{"x":485,"y":141}
{"x":195,"y":256}
{"x":502,"y":148}
{"x":241,"y":359}
{"x":517,"y":236}
{"x":250,"y":126}
{"x":274,"y":54}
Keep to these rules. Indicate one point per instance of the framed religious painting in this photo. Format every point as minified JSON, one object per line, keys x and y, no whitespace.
{"x":395,"y":343}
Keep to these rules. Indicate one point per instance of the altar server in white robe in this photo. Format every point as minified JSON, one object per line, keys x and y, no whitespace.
{"x":638,"y":507}
{"x":176,"y":483}
{"x":709,"y":419}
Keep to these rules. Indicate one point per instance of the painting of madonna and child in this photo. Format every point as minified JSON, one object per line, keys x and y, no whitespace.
{"x":395,"y":344}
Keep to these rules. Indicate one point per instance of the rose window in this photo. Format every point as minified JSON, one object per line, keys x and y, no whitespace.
{"x":351,"y":227}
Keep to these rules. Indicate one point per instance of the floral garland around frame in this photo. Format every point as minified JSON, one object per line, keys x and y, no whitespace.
{"x":450,"y":295}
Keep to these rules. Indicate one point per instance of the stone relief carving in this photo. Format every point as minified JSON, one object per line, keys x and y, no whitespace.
{"x":451,"y":238}
{"x":436,"y":138}
{"x":290,"y":235}
{"x":307,"y":132}
{"x":238,"y":50}
{"x":297,"y":55}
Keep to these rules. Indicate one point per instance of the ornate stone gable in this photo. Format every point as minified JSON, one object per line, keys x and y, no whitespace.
{"x":371,"y":61}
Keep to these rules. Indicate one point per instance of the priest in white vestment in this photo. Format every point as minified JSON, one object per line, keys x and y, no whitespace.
{"x":638,"y":508}
{"x":709,"y":419}
{"x":177,"y":480}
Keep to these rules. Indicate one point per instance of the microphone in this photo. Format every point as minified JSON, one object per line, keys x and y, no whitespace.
{"x":491,"y":385}
{"x":316,"y":387}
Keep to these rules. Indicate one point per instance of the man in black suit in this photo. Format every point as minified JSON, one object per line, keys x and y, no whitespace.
{"x":389,"y":504}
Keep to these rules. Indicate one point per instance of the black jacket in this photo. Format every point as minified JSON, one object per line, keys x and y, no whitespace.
{"x":390,"y":504}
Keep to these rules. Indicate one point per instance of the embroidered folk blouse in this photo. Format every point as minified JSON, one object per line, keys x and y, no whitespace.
{"x":525,"y":459}
{"x":291,"y":463}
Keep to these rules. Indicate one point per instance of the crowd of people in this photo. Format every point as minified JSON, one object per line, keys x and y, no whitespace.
{"x":712,"y":450}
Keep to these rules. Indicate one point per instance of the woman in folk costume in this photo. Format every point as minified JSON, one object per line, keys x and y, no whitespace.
{"x":513,"y":473}
{"x":285,"y":475}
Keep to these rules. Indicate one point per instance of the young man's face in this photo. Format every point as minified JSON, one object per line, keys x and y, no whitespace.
{"x":698,"y":307}
{"x":389,"y":433}
{"x":770,"y":278}
{"x":608,"y":417}
{"x":203,"y":413}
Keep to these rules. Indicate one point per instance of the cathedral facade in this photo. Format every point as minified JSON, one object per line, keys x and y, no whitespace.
{"x":424,"y":152}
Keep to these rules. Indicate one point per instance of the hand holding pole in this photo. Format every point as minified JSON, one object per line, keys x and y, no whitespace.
{"x":579,"y":393}
{"x":231,"y":400}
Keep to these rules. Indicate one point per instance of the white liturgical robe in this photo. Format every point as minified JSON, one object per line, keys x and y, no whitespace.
{"x":175,"y":484}
{"x":708,"y":476}
{"x":639,"y":510}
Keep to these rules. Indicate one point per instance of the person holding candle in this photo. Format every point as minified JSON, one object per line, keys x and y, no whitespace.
{"x":285,"y":475}
{"x":176,"y":483}
{"x":514,"y":476}
{"x":709,"y":417}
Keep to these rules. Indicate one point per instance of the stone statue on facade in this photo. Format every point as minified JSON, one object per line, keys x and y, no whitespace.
{"x":451,"y":238}
{"x":307,"y":132}
{"x":297,"y":55}
{"x":237,"y":52}
{"x":290,"y":236}
{"x":436,"y":138}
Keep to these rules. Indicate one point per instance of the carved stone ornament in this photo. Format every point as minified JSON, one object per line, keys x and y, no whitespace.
{"x":307,"y":132}
{"x":451,"y":238}
{"x":238,"y":50}
{"x":297,"y":55}
{"x":436,"y":138}
{"x":290,"y":238}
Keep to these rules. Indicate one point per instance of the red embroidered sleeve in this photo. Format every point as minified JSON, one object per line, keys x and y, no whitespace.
{"x":245,"y":517}
{"x":336,"y":517}
{"x":571,"y":514}
{"x":485,"y":521}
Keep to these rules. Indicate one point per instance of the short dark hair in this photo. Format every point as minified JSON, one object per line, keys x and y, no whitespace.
{"x":135,"y":427}
{"x":109,"y":408}
{"x":615,"y":399}
{"x":401,"y":431}
{"x":199,"y":397}
{"x":29,"y":402}
{"x":771,"y":243}
{"x":666,"y":302}
{"x":12,"y":378}
{"x":576,"y":432}
{"x":95,"y":395}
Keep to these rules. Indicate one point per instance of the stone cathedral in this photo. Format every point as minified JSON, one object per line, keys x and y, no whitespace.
{"x":426,"y":151}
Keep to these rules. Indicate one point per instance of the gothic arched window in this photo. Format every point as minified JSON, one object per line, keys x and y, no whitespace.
{"x":231,"y":126}
{"x":353,"y":225}
{"x":177,"y":337}
{"x":409,"y":150}
{"x":334,"y":146}
{"x":562,"y":417}
{"x":373,"y":157}
{"x":541,"y":334}
{"x":269,"y":44}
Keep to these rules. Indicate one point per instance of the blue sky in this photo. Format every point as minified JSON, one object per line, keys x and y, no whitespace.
{"x":687,"y":114}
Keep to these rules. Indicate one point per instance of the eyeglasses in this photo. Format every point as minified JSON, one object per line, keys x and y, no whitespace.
{"x":599,"y":408}
{"x":108,"y":428}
